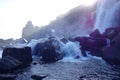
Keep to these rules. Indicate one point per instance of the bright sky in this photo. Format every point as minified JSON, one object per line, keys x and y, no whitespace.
{"x":14,"y":14}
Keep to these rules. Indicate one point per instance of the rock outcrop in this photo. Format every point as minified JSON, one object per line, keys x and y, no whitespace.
{"x":22,"y":54}
{"x":79,"y":21}
{"x":112,"y":53}
{"x":106,"y":45}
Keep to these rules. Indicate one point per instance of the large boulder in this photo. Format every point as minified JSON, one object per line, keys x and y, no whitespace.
{"x":111,"y":55}
{"x":23,"y":55}
{"x":49,"y":50}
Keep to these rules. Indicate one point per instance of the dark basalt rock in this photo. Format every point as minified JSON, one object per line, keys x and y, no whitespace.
{"x":23,"y":55}
{"x":110,"y":33}
{"x":96,"y":33}
{"x":36,"y":77}
{"x":111,"y":55}
{"x":49,"y":50}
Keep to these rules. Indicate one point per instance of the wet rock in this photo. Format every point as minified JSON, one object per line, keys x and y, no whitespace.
{"x":111,"y":55}
{"x":9,"y":64}
{"x":49,"y":50}
{"x":39,"y":48}
{"x":34,"y":63}
{"x":96,"y":33}
{"x":64,"y":40}
{"x":116,"y":41}
{"x":110,"y":33}
{"x":23,"y":55}
{"x":36,"y":77}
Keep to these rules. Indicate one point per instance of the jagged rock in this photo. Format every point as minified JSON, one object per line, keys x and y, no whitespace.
{"x":23,"y":55}
{"x":94,"y":45}
{"x":96,"y":33}
{"x":116,"y":41}
{"x":111,"y":55}
{"x":9,"y":64}
{"x":49,"y":50}
{"x":110,"y":33}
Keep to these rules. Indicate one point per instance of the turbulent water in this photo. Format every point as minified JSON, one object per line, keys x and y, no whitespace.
{"x":108,"y":14}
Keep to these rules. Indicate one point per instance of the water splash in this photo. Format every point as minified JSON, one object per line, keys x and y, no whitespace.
{"x":71,"y":50}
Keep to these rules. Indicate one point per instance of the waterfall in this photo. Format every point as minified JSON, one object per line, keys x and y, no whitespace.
{"x":107,"y":14}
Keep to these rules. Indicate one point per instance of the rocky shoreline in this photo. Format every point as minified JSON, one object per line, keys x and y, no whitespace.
{"x":90,"y":69}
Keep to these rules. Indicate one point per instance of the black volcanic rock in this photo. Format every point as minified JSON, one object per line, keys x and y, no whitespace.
{"x":111,"y":55}
{"x":96,"y":33}
{"x":49,"y":50}
{"x":23,"y":55}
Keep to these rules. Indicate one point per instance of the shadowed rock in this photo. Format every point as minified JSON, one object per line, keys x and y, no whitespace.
{"x":36,"y":77}
{"x":111,"y":55}
{"x":49,"y":50}
{"x":15,"y":58}
{"x":22,"y":54}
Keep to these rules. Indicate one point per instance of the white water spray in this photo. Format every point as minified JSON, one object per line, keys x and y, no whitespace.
{"x":108,"y":14}
{"x":71,"y":50}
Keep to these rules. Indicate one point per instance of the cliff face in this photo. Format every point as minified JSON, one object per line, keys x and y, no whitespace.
{"x":76,"y":22}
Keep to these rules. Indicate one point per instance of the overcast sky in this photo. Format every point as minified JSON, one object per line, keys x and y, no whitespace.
{"x":14,"y":14}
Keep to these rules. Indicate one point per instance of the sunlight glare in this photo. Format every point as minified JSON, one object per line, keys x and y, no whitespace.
{"x":15,"y":14}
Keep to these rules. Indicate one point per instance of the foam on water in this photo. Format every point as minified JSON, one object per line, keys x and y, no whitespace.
{"x":1,"y":51}
{"x":33,"y":43}
{"x":72,"y":52}
{"x":71,"y":49}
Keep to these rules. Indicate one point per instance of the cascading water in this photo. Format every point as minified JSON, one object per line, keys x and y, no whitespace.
{"x":71,"y":49}
{"x":72,"y":52}
{"x":108,"y":14}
